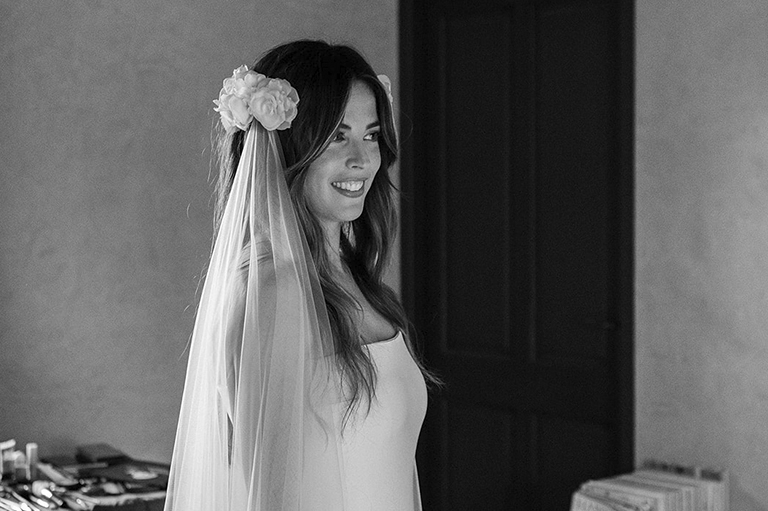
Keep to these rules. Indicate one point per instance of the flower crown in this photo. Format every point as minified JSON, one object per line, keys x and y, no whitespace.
{"x":250,"y":95}
{"x":384,"y":79}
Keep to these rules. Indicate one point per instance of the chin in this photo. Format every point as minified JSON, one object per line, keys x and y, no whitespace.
{"x":354,"y":215}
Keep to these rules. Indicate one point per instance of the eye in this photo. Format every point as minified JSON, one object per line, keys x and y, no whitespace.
{"x":338,"y":137}
{"x":373,"y":136}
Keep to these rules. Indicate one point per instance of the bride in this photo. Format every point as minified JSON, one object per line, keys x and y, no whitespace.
{"x":303,"y":390}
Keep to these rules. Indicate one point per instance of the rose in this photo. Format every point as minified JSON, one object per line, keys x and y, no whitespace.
{"x":233,"y":110}
{"x":230,"y":84}
{"x":247,"y":93}
{"x":243,"y":82}
{"x":248,"y":83}
{"x":274,"y":104}
{"x":384,"y":79}
{"x":226,"y":116}
{"x":239,"y":111}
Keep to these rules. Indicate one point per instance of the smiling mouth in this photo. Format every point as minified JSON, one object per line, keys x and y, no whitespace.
{"x":349,"y":186}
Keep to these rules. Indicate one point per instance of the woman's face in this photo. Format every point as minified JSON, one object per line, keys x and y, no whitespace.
{"x":339,"y":179}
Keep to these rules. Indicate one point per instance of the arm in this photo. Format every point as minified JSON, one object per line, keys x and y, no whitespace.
{"x":262,"y":296}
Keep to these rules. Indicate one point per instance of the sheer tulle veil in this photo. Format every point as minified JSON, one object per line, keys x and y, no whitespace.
{"x":257,"y":427}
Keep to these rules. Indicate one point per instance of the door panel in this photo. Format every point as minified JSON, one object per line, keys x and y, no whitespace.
{"x":517,"y":244}
{"x":479,"y":437}
{"x":476,"y":196}
{"x":575,"y":98}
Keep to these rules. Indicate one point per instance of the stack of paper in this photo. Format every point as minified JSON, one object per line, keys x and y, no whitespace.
{"x":656,"y":487}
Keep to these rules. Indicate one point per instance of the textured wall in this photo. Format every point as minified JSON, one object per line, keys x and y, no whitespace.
{"x":105,"y":218}
{"x":702,"y":238}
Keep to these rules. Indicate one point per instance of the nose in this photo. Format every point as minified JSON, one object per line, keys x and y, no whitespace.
{"x":358,"y":156}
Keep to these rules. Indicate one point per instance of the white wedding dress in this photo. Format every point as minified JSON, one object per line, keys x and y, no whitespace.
{"x":378,"y":449}
{"x":259,"y":424}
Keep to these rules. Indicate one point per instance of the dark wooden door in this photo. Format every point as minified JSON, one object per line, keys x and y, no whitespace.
{"x":517,"y":260}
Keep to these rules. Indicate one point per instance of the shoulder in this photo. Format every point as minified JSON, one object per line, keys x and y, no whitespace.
{"x":268,"y":270}
{"x":260,"y":249}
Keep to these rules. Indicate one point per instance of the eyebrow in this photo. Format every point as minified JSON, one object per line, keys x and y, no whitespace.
{"x":374,"y":124}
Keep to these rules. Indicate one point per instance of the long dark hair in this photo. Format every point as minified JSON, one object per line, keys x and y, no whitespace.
{"x":323,"y":75}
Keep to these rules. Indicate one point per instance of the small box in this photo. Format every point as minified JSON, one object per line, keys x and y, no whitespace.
{"x":100,"y":453}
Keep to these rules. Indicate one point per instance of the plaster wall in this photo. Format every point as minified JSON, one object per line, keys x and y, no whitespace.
{"x":105,"y":217}
{"x":702,"y":238}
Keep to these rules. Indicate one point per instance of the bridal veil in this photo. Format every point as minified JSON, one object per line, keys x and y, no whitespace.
{"x":258,"y":427}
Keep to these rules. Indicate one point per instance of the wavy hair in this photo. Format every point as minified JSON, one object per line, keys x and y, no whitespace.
{"x":323,"y":75}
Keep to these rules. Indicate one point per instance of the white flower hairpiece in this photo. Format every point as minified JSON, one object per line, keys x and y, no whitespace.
{"x":384,"y":79}
{"x":248,"y":94}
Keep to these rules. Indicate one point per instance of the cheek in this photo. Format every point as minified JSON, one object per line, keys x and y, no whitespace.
{"x":377,"y":162}
{"x":318,"y":195}
{"x":312,"y":189}
{"x":376,"y":159}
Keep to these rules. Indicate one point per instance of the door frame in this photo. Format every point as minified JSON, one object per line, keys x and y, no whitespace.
{"x":411,"y":52}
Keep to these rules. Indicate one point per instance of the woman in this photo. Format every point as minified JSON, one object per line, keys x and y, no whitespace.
{"x":302,"y":390}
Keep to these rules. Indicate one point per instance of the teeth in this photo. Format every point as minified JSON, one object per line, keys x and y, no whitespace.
{"x":350,"y":186}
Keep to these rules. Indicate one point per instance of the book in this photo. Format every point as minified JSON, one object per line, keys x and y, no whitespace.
{"x":697,"y":489}
{"x":585,"y":502}
{"x":679,"y":497}
{"x":582,"y":501}
{"x":656,"y":487}
{"x":715,"y":482}
{"x":623,"y":493}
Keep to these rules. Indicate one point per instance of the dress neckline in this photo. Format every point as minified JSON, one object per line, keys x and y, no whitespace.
{"x":386,"y":341}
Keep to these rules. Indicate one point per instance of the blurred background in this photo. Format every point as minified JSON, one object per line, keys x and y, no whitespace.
{"x":105,"y":208}
{"x":106,"y":213}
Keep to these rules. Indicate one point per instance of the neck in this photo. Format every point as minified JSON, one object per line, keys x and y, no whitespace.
{"x":332,"y":245}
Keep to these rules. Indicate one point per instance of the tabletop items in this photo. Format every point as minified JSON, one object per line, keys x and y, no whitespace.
{"x":656,"y":487}
{"x":98,"y":477}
